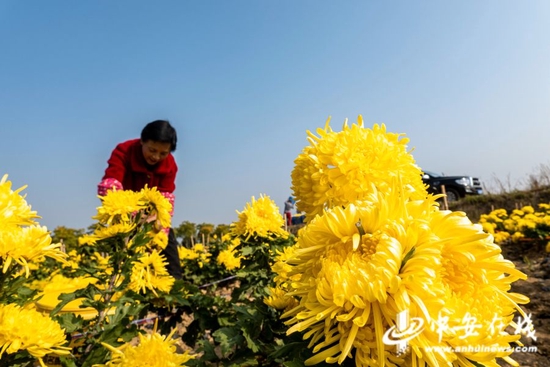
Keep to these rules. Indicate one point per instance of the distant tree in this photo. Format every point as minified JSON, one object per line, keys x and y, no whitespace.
{"x":222,"y":229}
{"x":186,"y":232}
{"x":205,"y":229}
{"x":67,"y":236}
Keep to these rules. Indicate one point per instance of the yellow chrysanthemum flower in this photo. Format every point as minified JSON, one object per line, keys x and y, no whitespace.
{"x":27,"y":329}
{"x":158,"y":240}
{"x":14,"y":210}
{"x":153,"y":350}
{"x":501,"y":237}
{"x":119,"y":205}
{"x":87,"y":239}
{"x":103,"y":262}
{"x":104,"y":232}
{"x":488,"y":227}
{"x":259,"y":218}
{"x":230,"y":259}
{"x":282,"y":269}
{"x":528,"y":209}
{"x":159,"y":204}
{"x":150,"y":273}
{"x":361,"y":266}
{"x":516,"y":236}
{"x":279,"y":299}
{"x":198,"y":253}
{"x":476,"y":279}
{"x":199,"y":247}
{"x":185,"y":253}
{"x":345,"y":167}
{"x":23,"y":245}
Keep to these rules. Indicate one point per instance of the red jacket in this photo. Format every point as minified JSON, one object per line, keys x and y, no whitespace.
{"x":128,"y":166}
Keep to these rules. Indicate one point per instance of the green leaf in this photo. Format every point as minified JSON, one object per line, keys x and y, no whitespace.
{"x":87,"y":293}
{"x":289,"y":349}
{"x":251,"y":342}
{"x":98,"y":355}
{"x":248,"y":250}
{"x":67,"y":361}
{"x":70,"y":322}
{"x":209,"y":352}
{"x":229,"y":339}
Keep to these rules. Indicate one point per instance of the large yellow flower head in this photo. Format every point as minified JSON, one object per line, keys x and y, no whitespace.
{"x":153,"y":350}
{"x":25,"y":245}
{"x":260,"y":218}
{"x":158,"y":204}
{"x":14,"y":210}
{"x":119,"y":206}
{"x":354,"y":269}
{"x":230,"y":259}
{"x":339,"y":168}
{"x":27,"y":329}
{"x":22,"y":241}
{"x":149,"y":272}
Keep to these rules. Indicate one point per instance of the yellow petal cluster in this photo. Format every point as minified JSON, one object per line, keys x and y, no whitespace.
{"x":150,"y":273}
{"x":279,"y":299}
{"x":122,"y":205}
{"x":22,"y":241}
{"x":14,"y":209}
{"x":230,"y":259}
{"x":259,"y":218}
{"x":123,"y":210}
{"x":158,"y":204}
{"x":359,"y":267}
{"x":23,"y":245}
{"x":153,"y":350}
{"x":377,"y":247}
{"x":102,"y":262}
{"x":199,"y":254}
{"x":344,"y":167}
{"x":119,"y":206}
{"x":158,"y":240}
{"x":26,"y":329}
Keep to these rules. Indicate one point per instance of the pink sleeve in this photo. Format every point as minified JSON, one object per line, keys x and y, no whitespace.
{"x":171,"y":198}
{"x":108,"y":184}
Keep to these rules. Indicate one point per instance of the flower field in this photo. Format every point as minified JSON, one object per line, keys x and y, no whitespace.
{"x":379,"y":275}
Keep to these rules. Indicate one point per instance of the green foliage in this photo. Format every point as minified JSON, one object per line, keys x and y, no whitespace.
{"x":14,"y":289}
{"x":240,"y":329}
{"x":230,"y":324}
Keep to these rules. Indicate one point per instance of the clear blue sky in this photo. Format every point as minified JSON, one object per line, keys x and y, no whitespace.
{"x":467,"y":81}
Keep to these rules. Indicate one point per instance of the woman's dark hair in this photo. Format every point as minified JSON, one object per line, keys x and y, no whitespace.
{"x":161,"y":131}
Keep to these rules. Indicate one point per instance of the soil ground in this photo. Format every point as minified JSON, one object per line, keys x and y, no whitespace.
{"x":532,"y":259}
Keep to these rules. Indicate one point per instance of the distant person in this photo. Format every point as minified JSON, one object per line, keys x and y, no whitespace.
{"x":147,"y":161}
{"x":289,"y":206}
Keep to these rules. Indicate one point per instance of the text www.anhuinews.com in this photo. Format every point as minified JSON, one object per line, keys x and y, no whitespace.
{"x":483,"y":349}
